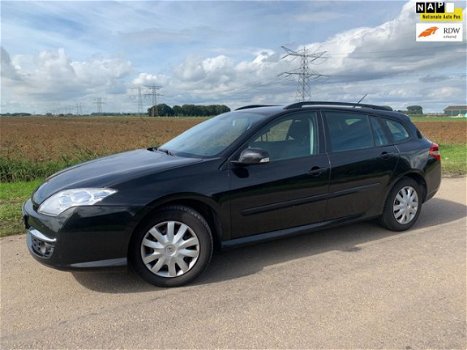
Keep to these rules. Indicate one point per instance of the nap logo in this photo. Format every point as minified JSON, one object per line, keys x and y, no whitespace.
{"x":431,"y":7}
{"x":438,"y":12}
{"x":439,"y":32}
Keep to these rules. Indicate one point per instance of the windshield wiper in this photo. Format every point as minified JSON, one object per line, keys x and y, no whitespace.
{"x":166,"y":151}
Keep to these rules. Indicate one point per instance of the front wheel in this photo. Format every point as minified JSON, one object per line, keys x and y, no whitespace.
{"x":403,"y":206}
{"x":173,"y":248}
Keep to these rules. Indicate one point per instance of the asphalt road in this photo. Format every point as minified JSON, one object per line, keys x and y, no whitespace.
{"x":354,"y":287}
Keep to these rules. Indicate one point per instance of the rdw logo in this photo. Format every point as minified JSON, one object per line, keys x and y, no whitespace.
{"x":439,"y":32}
{"x":452,"y":30}
{"x":428,"y":32}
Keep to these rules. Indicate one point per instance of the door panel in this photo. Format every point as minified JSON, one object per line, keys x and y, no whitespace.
{"x":290,"y":190}
{"x":358,"y":180}
{"x":278,"y":195}
{"x":362,"y":163}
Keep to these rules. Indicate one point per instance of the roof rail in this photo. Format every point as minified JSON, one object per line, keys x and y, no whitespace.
{"x":310,"y":103}
{"x":253,"y":106}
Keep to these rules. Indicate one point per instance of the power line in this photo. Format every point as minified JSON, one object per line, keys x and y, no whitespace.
{"x":79,"y":108}
{"x":139,"y":99}
{"x":303,"y":74}
{"x":153,"y":93}
{"x":99,"y":102}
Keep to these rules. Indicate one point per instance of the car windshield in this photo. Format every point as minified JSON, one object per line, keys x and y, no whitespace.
{"x":213,"y":136}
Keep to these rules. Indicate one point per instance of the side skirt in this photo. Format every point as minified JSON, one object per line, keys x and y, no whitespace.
{"x":289,"y":232}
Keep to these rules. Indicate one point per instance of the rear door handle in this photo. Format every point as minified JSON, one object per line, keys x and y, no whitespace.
{"x":386,"y":155}
{"x":316,"y":171}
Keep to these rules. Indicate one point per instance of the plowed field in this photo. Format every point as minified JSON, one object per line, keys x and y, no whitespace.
{"x":444,"y":132}
{"x":35,"y":147}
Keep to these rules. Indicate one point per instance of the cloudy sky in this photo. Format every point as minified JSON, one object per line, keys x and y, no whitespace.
{"x":59,"y":54}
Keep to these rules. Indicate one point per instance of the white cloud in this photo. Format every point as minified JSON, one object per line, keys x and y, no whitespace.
{"x":8,"y":71}
{"x":53,"y":77}
{"x":384,"y":61}
{"x":150,"y":79}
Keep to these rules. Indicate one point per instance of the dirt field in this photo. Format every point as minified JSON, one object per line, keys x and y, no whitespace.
{"x":444,"y":132}
{"x":45,"y":139}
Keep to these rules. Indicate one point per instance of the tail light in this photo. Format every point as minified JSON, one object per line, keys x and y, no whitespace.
{"x":434,"y":151}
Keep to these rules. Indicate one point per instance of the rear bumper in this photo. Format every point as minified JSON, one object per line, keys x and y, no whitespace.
{"x":432,"y":178}
{"x":81,"y":237}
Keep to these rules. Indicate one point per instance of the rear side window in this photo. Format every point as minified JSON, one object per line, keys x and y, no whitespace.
{"x":381,"y":139}
{"x":398,"y":131}
{"x":348,"y":131}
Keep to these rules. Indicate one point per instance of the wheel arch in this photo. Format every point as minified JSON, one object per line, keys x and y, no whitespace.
{"x":418,"y":178}
{"x":414,"y":175}
{"x":203,"y":205}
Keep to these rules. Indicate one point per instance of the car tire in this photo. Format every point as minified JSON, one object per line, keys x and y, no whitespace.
{"x":172,"y":248}
{"x":403,"y":205}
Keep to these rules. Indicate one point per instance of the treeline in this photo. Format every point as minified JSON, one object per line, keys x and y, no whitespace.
{"x":187,"y":110}
{"x":20,"y":114}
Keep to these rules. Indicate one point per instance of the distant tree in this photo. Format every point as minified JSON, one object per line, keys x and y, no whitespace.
{"x":189,"y":110}
{"x":178,"y":111}
{"x":222,"y":109}
{"x":415,"y":109}
{"x":164,"y":110}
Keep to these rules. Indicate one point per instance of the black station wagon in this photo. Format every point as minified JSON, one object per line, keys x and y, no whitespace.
{"x":257,"y":173}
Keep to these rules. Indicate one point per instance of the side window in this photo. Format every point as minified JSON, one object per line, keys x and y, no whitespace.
{"x":398,"y":131}
{"x":348,"y":131}
{"x":292,"y":137}
{"x":378,"y":132}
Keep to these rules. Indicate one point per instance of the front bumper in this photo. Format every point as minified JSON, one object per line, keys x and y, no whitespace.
{"x":80,"y":237}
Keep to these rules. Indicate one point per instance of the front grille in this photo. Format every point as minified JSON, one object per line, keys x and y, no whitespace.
{"x":41,"y":245}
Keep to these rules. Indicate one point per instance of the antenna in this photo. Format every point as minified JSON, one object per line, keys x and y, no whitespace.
{"x":360,"y":100}
{"x":303,"y":73}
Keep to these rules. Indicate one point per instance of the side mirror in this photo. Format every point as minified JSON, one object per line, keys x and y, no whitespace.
{"x":252,"y":156}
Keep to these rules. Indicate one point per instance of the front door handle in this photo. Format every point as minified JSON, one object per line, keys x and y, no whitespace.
{"x":316,"y":171}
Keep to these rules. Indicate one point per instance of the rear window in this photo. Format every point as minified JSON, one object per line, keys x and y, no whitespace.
{"x":398,"y":131}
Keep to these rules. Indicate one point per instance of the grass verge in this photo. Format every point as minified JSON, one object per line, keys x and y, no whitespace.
{"x":12,"y":170}
{"x":421,"y":119}
{"x":453,"y":159}
{"x":12,"y":197}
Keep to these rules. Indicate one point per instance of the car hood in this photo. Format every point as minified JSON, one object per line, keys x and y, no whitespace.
{"x":110,"y":171}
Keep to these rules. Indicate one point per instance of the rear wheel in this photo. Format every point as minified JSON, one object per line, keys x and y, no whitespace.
{"x":403,"y":206}
{"x":173,"y":248}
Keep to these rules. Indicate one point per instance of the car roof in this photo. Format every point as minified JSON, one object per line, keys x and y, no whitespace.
{"x":269,"y":110}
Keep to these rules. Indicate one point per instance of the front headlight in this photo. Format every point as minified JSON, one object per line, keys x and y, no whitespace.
{"x":63,"y":200}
